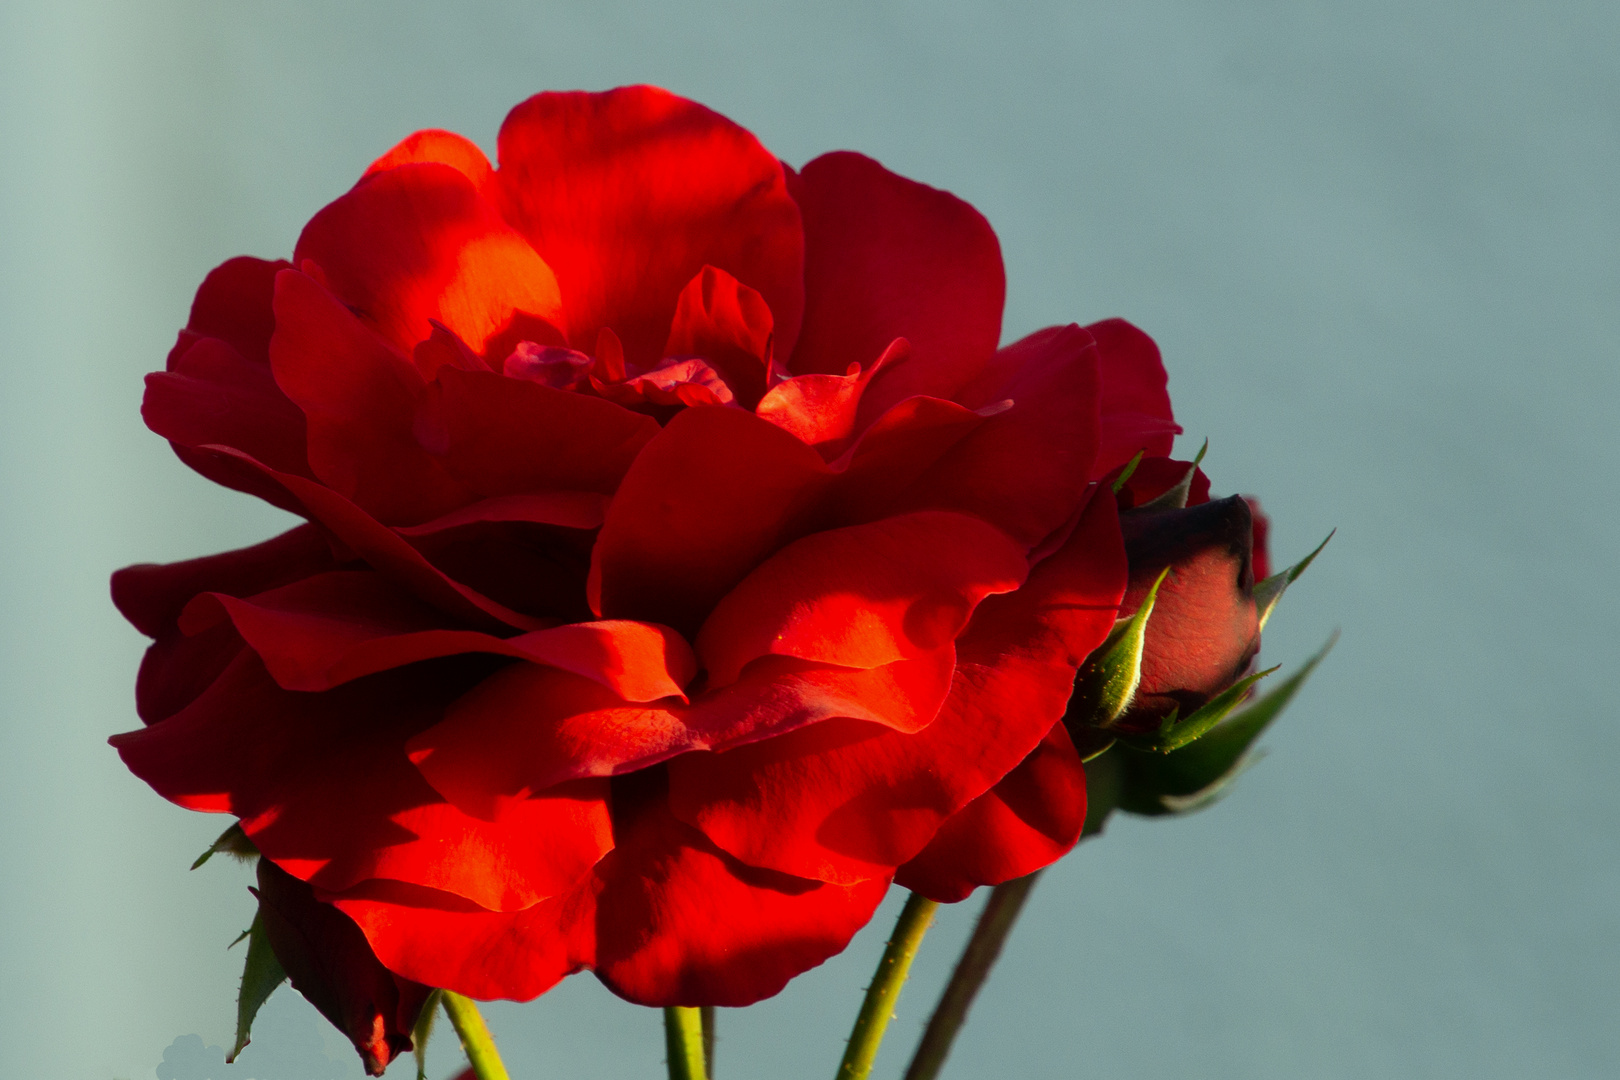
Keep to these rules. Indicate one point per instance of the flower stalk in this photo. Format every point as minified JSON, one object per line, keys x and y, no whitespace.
{"x":978,"y":957}
{"x":683,"y":1039}
{"x":475,"y":1037}
{"x":878,"y":1007}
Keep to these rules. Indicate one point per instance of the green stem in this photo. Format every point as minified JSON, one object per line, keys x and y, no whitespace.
{"x":708,"y":1037}
{"x":978,"y":957}
{"x":683,"y":1039}
{"x":878,"y":1008}
{"x":475,"y":1037}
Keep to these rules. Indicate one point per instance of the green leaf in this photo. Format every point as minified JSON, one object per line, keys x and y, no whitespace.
{"x":423,"y":1029}
{"x":261,"y":974}
{"x":1197,"y":774}
{"x":1176,"y":497}
{"x":233,"y":842}
{"x":1108,"y":679}
{"x":1173,"y":734}
{"x":1130,"y":468}
{"x":1269,"y":591}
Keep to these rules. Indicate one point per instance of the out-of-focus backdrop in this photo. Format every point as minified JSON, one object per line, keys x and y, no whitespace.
{"x":1379,"y":243}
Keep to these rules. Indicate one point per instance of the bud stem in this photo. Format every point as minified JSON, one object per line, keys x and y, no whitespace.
{"x":683,"y":1043}
{"x":978,"y":957}
{"x":475,"y":1037}
{"x":878,"y":1008}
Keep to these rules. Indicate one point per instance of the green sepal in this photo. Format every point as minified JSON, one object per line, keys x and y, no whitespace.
{"x":1108,"y":679}
{"x":261,"y":974}
{"x":1173,"y":735}
{"x":1191,"y":778}
{"x":1269,"y":591}
{"x":1125,"y":475}
{"x":1199,"y":773}
{"x":423,"y":1029}
{"x":233,"y":842}
{"x":1176,"y":497}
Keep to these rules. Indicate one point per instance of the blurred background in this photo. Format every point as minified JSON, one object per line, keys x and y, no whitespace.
{"x":1379,"y":244}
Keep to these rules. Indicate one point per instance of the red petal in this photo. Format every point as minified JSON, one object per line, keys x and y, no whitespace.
{"x":862,"y":596}
{"x":332,"y":628}
{"x":211,"y":394}
{"x":442,"y":940}
{"x":630,"y":193}
{"x":821,"y":409}
{"x":233,"y":304}
{"x":728,"y":324}
{"x":384,"y":549}
{"x":416,"y":243}
{"x":151,"y":596}
{"x":360,"y":397}
{"x":845,"y":800}
{"x":528,"y":727}
{"x":1029,"y":820}
{"x":1025,"y":469}
{"x":667,"y":920}
{"x":679,"y":922}
{"x":443,"y":147}
{"x":1136,"y":414}
{"x":887,"y":257}
{"x":707,"y":500}
{"x":293,"y":765}
{"x":1205,"y":629}
{"x":504,"y":436}
{"x":894,"y":453}
{"x":327,"y":958}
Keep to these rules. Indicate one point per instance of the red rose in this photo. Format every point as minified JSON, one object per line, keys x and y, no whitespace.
{"x":683,"y":560}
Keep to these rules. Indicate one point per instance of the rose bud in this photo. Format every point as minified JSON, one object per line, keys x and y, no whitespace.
{"x":1204,"y":630}
{"x":329,"y":962}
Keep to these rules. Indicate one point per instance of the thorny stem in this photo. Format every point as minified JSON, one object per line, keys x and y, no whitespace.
{"x":878,"y":1008}
{"x":978,"y":957}
{"x":475,"y":1037}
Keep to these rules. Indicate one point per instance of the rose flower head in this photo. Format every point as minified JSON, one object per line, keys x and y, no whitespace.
{"x":683,"y":559}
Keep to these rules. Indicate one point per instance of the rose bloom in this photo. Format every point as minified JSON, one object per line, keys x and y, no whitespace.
{"x":682,"y":562}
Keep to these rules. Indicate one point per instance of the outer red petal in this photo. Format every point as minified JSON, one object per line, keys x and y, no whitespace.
{"x":416,"y":243}
{"x":293,"y":765}
{"x":332,"y":628}
{"x":1026,"y":468}
{"x":887,"y":257}
{"x":211,"y":394}
{"x":666,"y":920}
{"x":529,"y":727}
{"x":443,"y":147}
{"x":679,"y":922}
{"x":233,"y":304}
{"x":385,"y":549}
{"x":1030,"y":819}
{"x":443,"y":940}
{"x":708,"y":499}
{"x":327,"y":958}
{"x":1136,"y":413}
{"x":862,"y":596}
{"x":178,"y":667}
{"x":846,"y":801}
{"x":630,"y":193}
{"x":360,"y":398}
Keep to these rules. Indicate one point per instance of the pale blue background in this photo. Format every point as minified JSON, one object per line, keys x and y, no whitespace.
{"x":1378,"y":243}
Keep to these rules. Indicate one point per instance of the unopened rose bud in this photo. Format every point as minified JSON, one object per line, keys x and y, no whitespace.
{"x":329,"y":962}
{"x":1204,"y":630}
